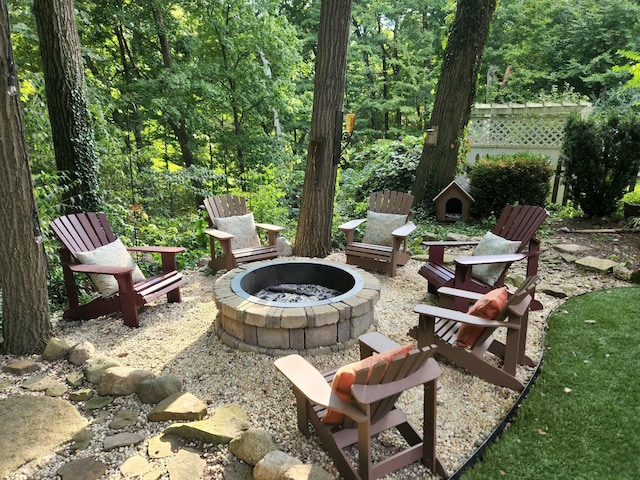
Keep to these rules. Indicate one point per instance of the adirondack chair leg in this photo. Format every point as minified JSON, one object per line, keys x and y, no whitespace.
{"x":127,"y":297}
{"x":69,"y":279}
{"x":429,"y":457}
{"x":364,"y":446}
{"x":302,"y":407}
{"x":169,"y":265}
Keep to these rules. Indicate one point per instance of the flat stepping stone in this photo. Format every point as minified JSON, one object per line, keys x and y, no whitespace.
{"x":97,"y":402}
{"x":83,"y":469}
{"x":21,"y":367}
{"x":572,"y":248}
{"x":186,"y":465}
{"x":33,"y":426}
{"x":164,"y":445}
{"x":226,"y":423}
{"x":124,"y":418}
{"x":122,"y":440}
{"x":596,"y":264}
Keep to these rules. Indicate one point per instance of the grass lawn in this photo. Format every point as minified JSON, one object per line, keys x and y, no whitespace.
{"x":581,"y":419}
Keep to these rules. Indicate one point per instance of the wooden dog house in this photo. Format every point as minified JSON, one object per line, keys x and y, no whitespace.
{"x":454,"y":202}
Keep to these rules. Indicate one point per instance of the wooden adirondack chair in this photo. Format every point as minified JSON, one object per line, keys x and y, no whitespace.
{"x":440,"y":325}
{"x":516,"y":223}
{"x":384,"y":245}
{"x":371,"y":409}
{"x":85,"y":232}
{"x":231,"y":224}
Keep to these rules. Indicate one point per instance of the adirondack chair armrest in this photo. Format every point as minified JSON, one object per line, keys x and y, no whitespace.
{"x":156,"y":249}
{"x":405,"y":230}
{"x":352,"y":225}
{"x":101,"y":269}
{"x":218,"y":234}
{"x":436,"y":248}
{"x":168,"y":255}
{"x":309,"y":381}
{"x":367,"y":394}
{"x":349,"y":229}
{"x":448,"y":243}
{"x":459,"y":293}
{"x":488,"y":259}
{"x":269,"y":227}
{"x":454,"y":315}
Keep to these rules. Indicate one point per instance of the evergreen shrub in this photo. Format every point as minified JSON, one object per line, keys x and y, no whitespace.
{"x":601,"y":160}
{"x":521,"y":178}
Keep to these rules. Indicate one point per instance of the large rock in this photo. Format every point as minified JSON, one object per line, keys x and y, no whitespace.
{"x":154,"y":390}
{"x":81,"y":352}
{"x":122,"y":380}
{"x":307,"y":472}
{"x":33,"y":426}
{"x":56,"y":349}
{"x":180,"y":406}
{"x":95,"y":367}
{"x":274,"y":465}
{"x":252,"y":445}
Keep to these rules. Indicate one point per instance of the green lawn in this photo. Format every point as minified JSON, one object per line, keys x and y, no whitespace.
{"x":581,"y":419}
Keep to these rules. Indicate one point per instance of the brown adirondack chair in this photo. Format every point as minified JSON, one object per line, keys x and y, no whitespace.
{"x":231,"y":224}
{"x":371,"y":408}
{"x":516,"y":223}
{"x":440,"y":326}
{"x":384,"y":245}
{"x":80,"y":235}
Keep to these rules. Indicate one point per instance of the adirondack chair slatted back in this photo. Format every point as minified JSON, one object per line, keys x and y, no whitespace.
{"x":225,"y":206}
{"x":520,"y":223}
{"x":82,"y":232}
{"x":398,"y":203}
{"x":383,"y":373}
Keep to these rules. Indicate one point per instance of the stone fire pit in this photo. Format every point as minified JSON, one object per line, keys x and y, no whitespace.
{"x":306,"y":326}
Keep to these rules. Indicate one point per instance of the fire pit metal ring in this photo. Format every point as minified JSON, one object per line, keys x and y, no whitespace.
{"x":249,"y":323}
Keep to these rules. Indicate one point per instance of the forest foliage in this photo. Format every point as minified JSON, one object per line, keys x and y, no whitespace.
{"x":198,"y":98}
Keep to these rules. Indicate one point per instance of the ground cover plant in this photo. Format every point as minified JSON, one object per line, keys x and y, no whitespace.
{"x":581,"y":417}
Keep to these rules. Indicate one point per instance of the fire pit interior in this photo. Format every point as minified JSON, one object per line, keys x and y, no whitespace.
{"x":304,"y":305}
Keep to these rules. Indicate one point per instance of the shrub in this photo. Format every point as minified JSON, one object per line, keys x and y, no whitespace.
{"x":521,"y":178}
{"x":601,"y":160}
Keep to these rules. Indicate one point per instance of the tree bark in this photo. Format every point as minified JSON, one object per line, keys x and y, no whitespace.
{"x":26,"y":326}
{"x":69,"y":116}
{"x":313,"y":236}
{"x":454,"y":98}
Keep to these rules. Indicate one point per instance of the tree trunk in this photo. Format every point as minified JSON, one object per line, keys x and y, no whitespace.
{"x":454,"y":97}
{"x":69,"y":117}
{"x":313,"y":236}
{"x":26,"y":327}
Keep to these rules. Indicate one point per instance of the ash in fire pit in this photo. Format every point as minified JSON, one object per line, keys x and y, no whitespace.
{"x":294,"y":293}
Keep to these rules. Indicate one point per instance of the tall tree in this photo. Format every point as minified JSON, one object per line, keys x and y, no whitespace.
{"x":69,"y":117}
{"x":454,"y":97}
{"x":26,"y":327}
{"x":313,"y":236}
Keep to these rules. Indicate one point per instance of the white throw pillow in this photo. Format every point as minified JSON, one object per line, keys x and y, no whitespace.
{"x":243,"y":229}
{"x":492,"y":244}
{"x":114,"y":254}
{"x":379,"y":227}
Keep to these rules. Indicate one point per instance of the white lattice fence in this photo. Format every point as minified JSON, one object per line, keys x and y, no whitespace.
{"x":505,"y":129}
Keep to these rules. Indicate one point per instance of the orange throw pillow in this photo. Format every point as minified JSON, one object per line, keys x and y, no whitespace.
{"x":489,"y":307}
{"x":346,"y":375}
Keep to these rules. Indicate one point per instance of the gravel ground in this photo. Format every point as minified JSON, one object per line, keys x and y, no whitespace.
{"x":179,"y":339}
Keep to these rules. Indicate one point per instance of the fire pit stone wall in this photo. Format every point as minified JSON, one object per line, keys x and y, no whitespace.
{"x":320,"y":328}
